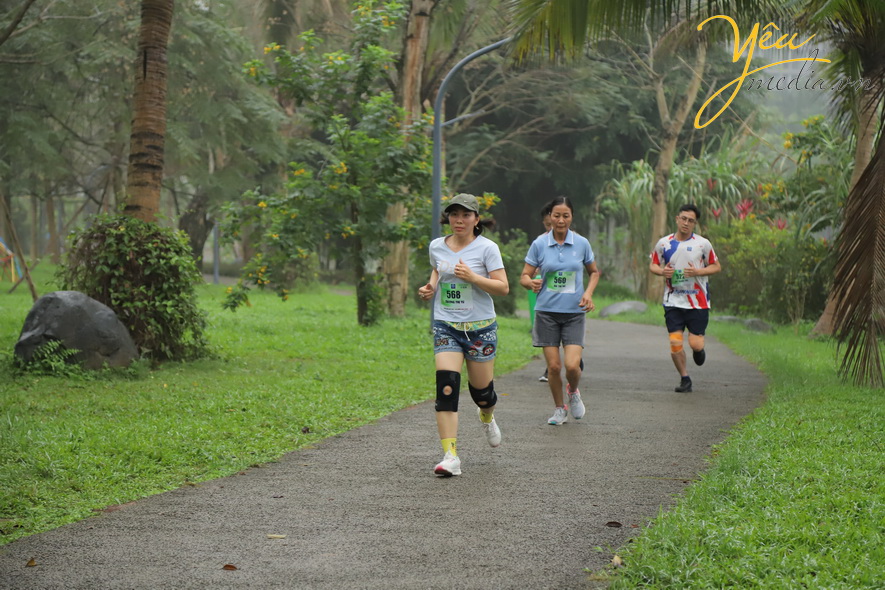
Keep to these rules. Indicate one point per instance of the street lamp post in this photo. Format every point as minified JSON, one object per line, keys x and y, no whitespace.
{"x":437,"y":136}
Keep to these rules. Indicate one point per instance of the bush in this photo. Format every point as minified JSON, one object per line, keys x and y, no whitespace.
{"x":146,"y":274}
{"x":373,"y":290}
{"x":773,"y":273}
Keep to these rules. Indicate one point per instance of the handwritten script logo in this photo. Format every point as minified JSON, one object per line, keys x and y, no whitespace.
{"x":752,"y":41}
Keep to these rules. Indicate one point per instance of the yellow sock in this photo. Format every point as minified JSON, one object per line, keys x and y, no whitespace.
{"x":449,"y":446}
{"x":486,"y":418}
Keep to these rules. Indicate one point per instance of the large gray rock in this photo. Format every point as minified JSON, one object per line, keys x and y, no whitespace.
{"x":757,"y":325}
{"x":80,"y":323}
{"x":733,"y":319}
{"x":623,"y":307}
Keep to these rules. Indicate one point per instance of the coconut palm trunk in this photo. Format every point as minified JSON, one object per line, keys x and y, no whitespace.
{"x":859,"y":277}
{"x":147,"y":139}
{"x":867,"y":125}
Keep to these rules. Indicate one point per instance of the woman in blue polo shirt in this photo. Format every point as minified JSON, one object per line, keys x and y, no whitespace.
{"x":562,"y":303}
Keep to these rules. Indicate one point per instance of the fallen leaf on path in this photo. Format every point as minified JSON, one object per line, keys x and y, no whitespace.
{"x":276,"y":536}
{"x":229,"y":567}
{"x":617,"y":561}
{"x":613,"y":524}
{"x":31,"y":562}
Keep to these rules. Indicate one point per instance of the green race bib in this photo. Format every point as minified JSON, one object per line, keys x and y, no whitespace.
{"x":678,"y":278}
{"x":456,"y":296}
{"x":561,"y":281}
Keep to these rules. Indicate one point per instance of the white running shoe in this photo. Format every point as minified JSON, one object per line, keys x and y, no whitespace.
{"x":560,"y":416}
{"x":574,"y":402}
{"x":493,"y":433}
{"x":449,"y":466}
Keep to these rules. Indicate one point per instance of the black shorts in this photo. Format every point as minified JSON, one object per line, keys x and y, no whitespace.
{"x":678,"y":319}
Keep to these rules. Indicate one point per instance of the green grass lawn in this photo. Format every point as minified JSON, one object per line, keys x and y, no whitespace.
{"x":285,"y":375}
{"x":794,"y":498}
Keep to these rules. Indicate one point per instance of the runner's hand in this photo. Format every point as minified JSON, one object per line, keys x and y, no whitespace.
{"x":463,"y":272}
{"x":426,"y":292}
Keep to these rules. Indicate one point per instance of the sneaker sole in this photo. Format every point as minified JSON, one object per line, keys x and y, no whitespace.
{"x":441,"y":472}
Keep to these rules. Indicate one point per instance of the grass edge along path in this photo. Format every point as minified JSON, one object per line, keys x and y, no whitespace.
{"x":794,"y":497}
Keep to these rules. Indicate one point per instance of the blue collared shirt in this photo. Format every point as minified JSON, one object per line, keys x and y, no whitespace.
{"x":563,"y":267}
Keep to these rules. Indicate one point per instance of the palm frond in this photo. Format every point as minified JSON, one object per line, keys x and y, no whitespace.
{"x":859,"y":278}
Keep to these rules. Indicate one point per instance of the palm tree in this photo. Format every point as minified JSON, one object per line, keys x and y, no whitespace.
{"x":147,"y":139}
{"x":563,"y":26}
{"x":857,"y":31}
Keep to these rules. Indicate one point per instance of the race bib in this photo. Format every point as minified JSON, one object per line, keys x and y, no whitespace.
{"x":456,"y":296}
{"x":678,"y":278}
{"x":561,"y":281}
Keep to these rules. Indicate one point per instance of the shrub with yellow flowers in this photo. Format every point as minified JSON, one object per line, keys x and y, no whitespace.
{"x":338,"y":192}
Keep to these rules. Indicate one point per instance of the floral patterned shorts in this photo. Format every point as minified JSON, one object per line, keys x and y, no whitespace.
{"x":478,"y":345}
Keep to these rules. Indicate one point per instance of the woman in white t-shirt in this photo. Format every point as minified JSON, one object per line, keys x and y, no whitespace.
{"x":467,"y":271}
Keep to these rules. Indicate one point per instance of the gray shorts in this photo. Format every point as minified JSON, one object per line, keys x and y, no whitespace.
{"x":555,"y":329}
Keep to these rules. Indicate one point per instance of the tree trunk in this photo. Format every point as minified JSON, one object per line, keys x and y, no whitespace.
{"x":5,"y":228}
{"x":396,"y":264}
{"x":196,"y":224}
{"x":35,"y":232}
{"x":867,"y":124}
{"x":672,"y":127}
{"x":359,"y":273}
{"x":54,"y":246}
{"x":15,"y":245}
{"x":148,"y":136}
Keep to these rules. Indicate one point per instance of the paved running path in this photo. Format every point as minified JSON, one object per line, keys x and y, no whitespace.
{"x":363,"y":510}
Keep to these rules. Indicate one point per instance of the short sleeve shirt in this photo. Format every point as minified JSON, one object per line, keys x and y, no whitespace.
{"x":563,"y":271}
{"x":681,"y":291}
{"x":457,"y":300}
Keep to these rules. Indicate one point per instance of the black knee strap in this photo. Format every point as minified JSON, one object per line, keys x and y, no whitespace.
{"x":447,"y":402}
{"x":485,"y":397}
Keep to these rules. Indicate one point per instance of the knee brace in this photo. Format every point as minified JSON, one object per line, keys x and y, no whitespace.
{"x":447,"y":402}
{"x":484,"y":398}
{"x":675,"y":342}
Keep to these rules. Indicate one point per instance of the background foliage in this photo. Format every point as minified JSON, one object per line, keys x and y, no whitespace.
{"x":342,"y":186}
{"x":146,"y":274}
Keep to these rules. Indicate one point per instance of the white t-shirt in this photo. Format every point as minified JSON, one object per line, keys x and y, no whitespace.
{"x":457,"y":300}
{"x":682,"y":291}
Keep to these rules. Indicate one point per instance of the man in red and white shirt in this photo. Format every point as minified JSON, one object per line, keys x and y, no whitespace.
{"x":685,"y":260}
